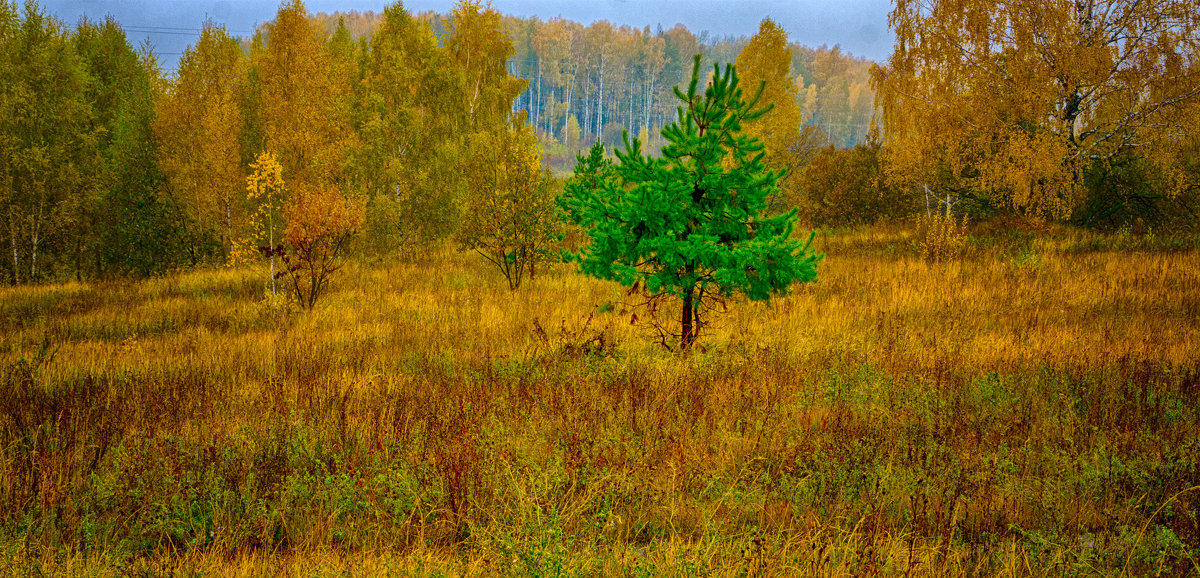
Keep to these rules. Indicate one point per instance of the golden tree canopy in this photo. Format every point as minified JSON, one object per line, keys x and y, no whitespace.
{"x":1011,"y":101}
{"x":767,"y":62}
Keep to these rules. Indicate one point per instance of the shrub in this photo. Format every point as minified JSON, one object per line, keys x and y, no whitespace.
{"x":846,"y":187}
{"x":941,"y":237}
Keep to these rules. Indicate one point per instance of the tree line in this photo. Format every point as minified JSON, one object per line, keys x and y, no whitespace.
{"x":410,"y":129}
{"x":591,"y":82}
{"x":278,"y":147}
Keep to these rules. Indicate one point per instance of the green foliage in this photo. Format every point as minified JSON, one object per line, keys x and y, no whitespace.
{"x":690,"y":224}
{"x":592,"y":172}
{"x":405,"y":119}
{"x":381,"y":233}
{"x":137,"y":229}
{"x":1129,"y":191}
{"x":47,"y":146}
{"x":508,"y":215}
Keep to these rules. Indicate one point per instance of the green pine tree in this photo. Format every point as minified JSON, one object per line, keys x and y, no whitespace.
{"x":690,"y":224}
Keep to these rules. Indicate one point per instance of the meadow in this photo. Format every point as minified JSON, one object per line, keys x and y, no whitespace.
{"x":1026,"y":408}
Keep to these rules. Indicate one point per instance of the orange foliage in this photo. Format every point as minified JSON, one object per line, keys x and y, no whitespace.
{"x":320,"y":223}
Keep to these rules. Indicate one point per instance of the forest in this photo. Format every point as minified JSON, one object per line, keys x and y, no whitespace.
{"x":470,"y":294}
{"x":155,"y":164}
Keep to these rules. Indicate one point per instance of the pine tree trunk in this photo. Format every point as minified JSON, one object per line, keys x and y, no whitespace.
{"x":687,"y":324}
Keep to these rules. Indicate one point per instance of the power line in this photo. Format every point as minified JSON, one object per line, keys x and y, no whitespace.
{"x":174,"y":30}
{"x":177,"y":29}
{"x":164,"y":32}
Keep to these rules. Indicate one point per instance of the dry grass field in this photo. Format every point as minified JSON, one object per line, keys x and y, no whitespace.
{"x":1029,"y":408}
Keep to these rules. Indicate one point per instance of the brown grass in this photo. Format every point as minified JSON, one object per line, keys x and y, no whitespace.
{"x":1026,"y":408}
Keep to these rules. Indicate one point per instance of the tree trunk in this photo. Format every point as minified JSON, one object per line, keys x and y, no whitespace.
{"x":587,"y":103}
{"x":600,"y":102}
{"x":629,"y":94}
{"x":228,"y":228}
{"x":537,"y":116}
{"x":12,"y":240}
{"x":271,"y":241}
{"x":687,"y":334}
{"x":567,"y":116}
{"x":648,"y":101}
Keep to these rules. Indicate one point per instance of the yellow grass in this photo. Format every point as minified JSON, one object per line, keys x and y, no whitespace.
{"x":1027,"y":408}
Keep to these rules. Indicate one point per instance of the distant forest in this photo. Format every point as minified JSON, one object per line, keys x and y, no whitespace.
{"x":589,"y":82}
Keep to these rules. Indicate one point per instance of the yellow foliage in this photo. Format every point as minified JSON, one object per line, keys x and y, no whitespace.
{"x":940,"y":237}
{"x":303,"y":102}
{"x":197,"y":128}
{"x":265,"y":188}
{"x":1012,"y":100}
{"x":265,"y":181}
{"x":766,"y":62}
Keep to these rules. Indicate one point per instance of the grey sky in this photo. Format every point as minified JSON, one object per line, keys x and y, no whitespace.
{"x":859,"y":26}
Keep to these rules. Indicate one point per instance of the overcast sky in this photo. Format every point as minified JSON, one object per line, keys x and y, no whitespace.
{"x":859,"y":26}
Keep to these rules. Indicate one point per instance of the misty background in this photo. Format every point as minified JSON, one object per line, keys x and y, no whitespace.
{"x":858,"y":26}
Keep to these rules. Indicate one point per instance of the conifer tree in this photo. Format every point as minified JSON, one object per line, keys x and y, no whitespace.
{"x":690,"y":224}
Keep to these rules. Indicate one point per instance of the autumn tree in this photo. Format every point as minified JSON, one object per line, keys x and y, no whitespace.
{"x":320,"y":224}
{"x":690,"y":224}
{"x":509,"y":218}
{"x":767,"y":61}
{"x":480,"y":48}
{"x":847,"y":187}
{"x":136,"y":229}
{"x":198,"y":129}
{"x":47,"y":145}
{"x":308,"y":233}
{"x":303,"y":108}
{"x":407,"y":121}
{"x":1006,"y":104}
{"x":265,"y":191}
{"x":505,"y":203}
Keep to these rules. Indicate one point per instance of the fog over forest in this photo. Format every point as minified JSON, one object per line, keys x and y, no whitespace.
{"x":858,"y":26}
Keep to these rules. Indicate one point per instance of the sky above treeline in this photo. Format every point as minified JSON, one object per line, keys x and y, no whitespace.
{"x":858,"y":26}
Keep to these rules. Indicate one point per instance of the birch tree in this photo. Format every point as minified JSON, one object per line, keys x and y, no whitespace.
{"x":1008,"y":103}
